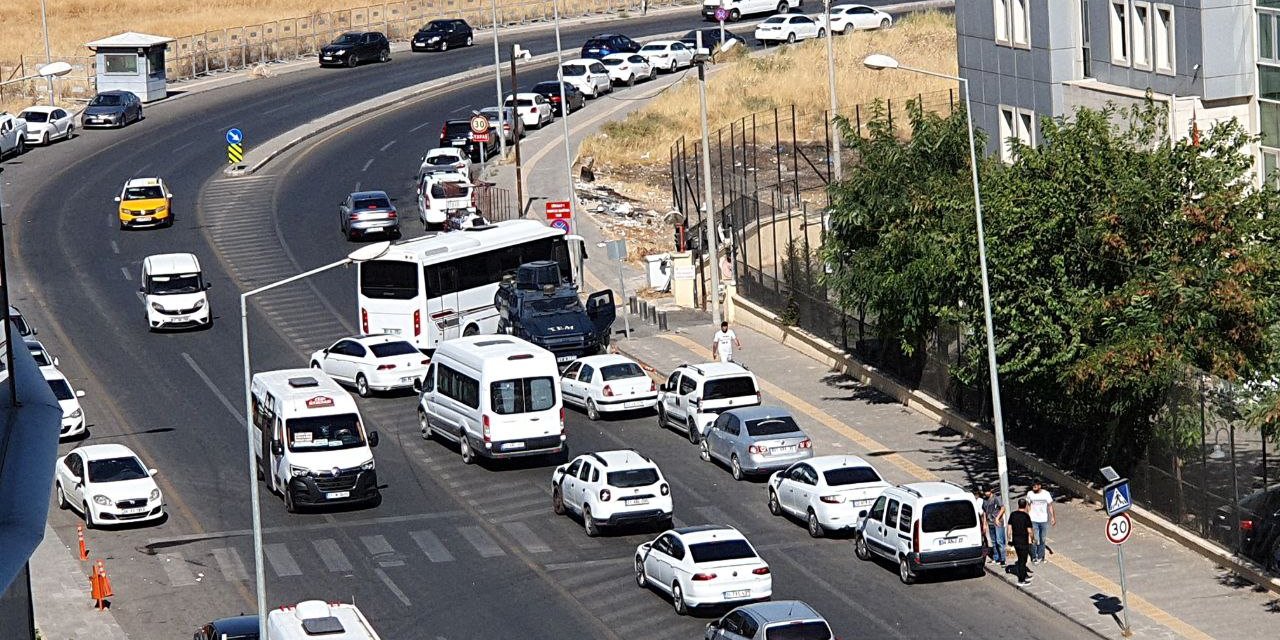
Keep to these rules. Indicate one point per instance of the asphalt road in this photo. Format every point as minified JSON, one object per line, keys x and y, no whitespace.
{"x":453,"y":551}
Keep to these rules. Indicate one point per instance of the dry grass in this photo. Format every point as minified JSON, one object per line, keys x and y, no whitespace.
{"x":792,"y":75}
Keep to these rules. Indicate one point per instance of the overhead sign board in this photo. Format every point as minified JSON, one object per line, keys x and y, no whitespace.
{"x":1116,"y":497}
{"x":1118,"y":528}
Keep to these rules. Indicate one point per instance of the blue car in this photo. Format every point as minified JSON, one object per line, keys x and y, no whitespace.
{"x":607,"y":43}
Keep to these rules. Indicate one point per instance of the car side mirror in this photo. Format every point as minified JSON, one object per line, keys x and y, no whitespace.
{"x":141,"y":290}
{"x":55,"y":362}
{"x":152,"y":472}
{"x":117,"y":198}
{"x":34,"y":331}
{"x":207,"y":286}
{"x":714,"y":625}
{"x":79,"y":393}
{"x":277,"y":448}
{"x":373,"y":438}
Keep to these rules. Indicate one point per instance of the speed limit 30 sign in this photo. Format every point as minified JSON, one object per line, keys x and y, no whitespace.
{"x":1119,"y":527}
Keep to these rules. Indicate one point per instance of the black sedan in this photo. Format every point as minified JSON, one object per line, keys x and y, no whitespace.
{"x":354,"y":47}
{"x":442,"y":34}
{"x":551,"y":91}
{"x":112,"y":109}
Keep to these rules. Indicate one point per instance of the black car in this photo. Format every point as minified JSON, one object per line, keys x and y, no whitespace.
{"x":457,"y":133}
{"x":551,"y":91}
{"x":710,"y":39}
{"x":1259,"y":527}
{"x":112,"y":109}
{"x":354,"y":47}
{"x":607,"y":43}
{"x":442,"y":34}
{"x":234,"y":628}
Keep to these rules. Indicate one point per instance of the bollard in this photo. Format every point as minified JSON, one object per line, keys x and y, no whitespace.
{"x":653,"y":315}
{"x":644,"y":309}
{"x":631,"y":304}
{"x":662,"y":321}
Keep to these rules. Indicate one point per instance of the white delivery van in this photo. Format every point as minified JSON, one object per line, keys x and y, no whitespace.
{"x":738,"y":8}
{"x":311,"y":444}
{"x":496,"y":396}
{"x":441,"y":194}
{"x":316,"y":619}
{"x":173,"y":290}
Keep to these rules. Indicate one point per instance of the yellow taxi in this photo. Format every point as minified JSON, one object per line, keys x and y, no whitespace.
{"x":145,"y":202}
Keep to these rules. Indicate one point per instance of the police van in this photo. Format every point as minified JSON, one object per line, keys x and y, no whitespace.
{"x":319,"y":619}
{"x":311,"y":444}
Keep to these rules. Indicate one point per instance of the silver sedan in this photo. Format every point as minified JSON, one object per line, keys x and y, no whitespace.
{"x":756,"y":440}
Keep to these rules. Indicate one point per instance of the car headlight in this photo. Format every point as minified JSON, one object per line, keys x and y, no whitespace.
{"x":368,"y":466}
{"x":299,"y":472}
{"x":199,"y":304}
{"x":157,"y":307}
{"x":162,"y":208}
{"x":155,"y":494}
{"x":434,"y":38}
{"x":339,"y":52}
{"x":76,"y":414}
{"x":102,"y":500}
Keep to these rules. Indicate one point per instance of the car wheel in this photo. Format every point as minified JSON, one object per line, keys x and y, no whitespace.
{"x":424,"y":426}
{"x":815,"y":527}
{"x":444,"y":45}
{"x":735,"y":15}
{"x":469,"y":41}
{"x":351,"y":60}
{"x":904,"y":571}
{"x":589,"y":523}
{"x":791,"y":38}
{"x":662,"y":417}
{"x":735,"y":467}
{"x":704,"y":452}
{"x":289,"y":504}
{"x":464,"y":448}
{"x":20,"y":148}
{"x":783,"y":7}
{"x":822,"y":33}
{"x":677,"y":599}
{"x":557,"y":501}
{"x":362,"y":385}
{"x":62,"y":497}
{"x":384,"y":55}
{"x":593,"y":413}
{"x":673,"y":67}
{"x":775,"y":507}
{"x":44,"y":140}
{"x":693,"y":430}
{"x":641,"y":581}
{"x":884,"y":24}
{"x":71,"y":132}
{"x":471,"y":330}
{"x":860,"y":548}
{"x":89,"y":522}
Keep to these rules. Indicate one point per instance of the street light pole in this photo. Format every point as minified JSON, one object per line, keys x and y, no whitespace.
{"x":367,"y":252}
{"x":836,"y":164}
{"x":712,"y":230}
{"x":880,"y":62}
{"x":48,"y":58}
{"x":497,"y":84}
{"x":10,"y":337}
{"x":515,"y":110}
{"x":564,"y":124}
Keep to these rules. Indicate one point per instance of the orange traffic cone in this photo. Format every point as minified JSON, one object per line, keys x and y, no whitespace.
{"x":101,"y":585}
{"x":84,"y":552}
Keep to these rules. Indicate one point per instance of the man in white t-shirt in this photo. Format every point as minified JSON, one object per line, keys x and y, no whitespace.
{"x":724,"y":342}
{"x":1042,"y":517}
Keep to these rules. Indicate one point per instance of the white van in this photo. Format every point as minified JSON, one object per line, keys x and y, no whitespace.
{"x":496,"y":396}
{"x":922,"y":527}
{"x":319,"y":619}
{"x":173,"y":290}
{"x":311,"y":443}
{"x":441,"y":194}
{"x":739,"y":8}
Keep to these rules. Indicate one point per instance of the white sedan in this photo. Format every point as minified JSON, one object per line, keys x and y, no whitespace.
{"x":703,"y":565}
{"x":68,"y":400}
{"x":107,"y":484}
{"x":533,"y":109}
{"x":830,"y":493}
{"x":444,"y":159}
{"x":607,"y":383}
{"x":379,"y":362}
{"x":788,"y":28}
{"x":46,"y":124}
{"x":627,"y":68}
{"x":667,"y":55}
{"x":41,"y":355}
{"x":847,"y":17}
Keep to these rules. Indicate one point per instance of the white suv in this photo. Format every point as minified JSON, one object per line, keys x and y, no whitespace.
{"x":694,"y":395}
{"x":923,"y":526}
{"x":612,"y":488}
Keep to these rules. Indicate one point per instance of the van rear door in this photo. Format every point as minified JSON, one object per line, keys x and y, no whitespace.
{"x":950,"y":524}
{"x":523,"y":414}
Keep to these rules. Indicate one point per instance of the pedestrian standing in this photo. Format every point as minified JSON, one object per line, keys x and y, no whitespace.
{"x":993,"y":513}
{"x":1020,"y":536}
{"x":724,"y":342}
{"x":1042,"y":517}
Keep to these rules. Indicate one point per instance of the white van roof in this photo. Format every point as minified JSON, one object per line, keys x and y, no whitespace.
{"x":935,"y":490}
{"x":445,"y":246}
{"x":171,"y":263}
{"x":475,"y":351}
{"x":304,"y":390}
{"x":316,"y":619}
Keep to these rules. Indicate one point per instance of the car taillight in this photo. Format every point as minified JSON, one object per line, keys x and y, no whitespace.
{"x":664,"y":489}
{"x":605,"y":495}
{"x":703,"y":576}
{"x":391,"y":213}
{"x":833,"y":499}
{"x":607,"y":391}
{"x":428,"y":361}
{"x":1246,"y":526}
{"x":653,"y":386}
{"x":485,"y":427}
{"x":761,"y":571}
{"x":386,"y":367}
{"x":915,"y":538}
{"x":555,"y":98}
{"x":353,"y":216}
{"x":755,"y":448}
{"x":806,"y":444}
{"x":562,"y":417}
{"x":444,"y":132}
{"x":364,"y":321}
{"x":417,"y":322}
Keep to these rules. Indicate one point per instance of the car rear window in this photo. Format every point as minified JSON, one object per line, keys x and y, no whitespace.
{"x":632,"y":478}
{"x":389,"y":279}
{"x":34,"y":116}
{"x":621,"y":370}
{"x":940,"y":517}
{"x":457,"y":128}
{"x":441,"y":159}
{"x":522,"y":395}
{"x":735,"y":387}
{"x":61,"y":390}
{"x":574,"y":70}
{"x":597,"y":43}
{"x":721,"y":550}
{"x":654,"y":47}
{"x":811,"y":630}
{"x":850,"y":475}
{"x":611,"y":62}
{"x":389,"y":349}
{"x":372,"y":203}
{"x":772,"y":426}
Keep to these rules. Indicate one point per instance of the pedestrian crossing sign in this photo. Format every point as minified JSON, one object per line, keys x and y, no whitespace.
{"x":1116,"y":497}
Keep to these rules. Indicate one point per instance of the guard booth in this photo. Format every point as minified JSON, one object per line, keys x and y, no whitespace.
{"x":132,"y":62}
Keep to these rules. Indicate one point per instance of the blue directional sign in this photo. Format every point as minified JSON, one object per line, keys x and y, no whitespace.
{"x":234,"y":136}
{"x":1116,"y":498}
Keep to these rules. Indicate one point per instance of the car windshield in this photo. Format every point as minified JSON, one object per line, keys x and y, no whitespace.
{"x":24,"y":329}
{"x":632,"y":478}
{"x":772,"y":426}
{"x":721,"y":550}
{"x":555,"y":305}
{"x":811,"y":630}
{"x":61,"y":390}
{"x":941,"y":517}
{"x":850,"y":475}
{"x":621,"y":370}
{"x":654,"y":47}
{"x":34,"y":116}
{"x":116,"y":470}
{"x":311,"y":433}
{"x":348,"y":38}
{"x":153,"y":192}
{"x":169,"y":285}
{"x":106,"y":101}
{"x":729,"y":388}
{"x":522,"y":395}
{"x":389,"y":349}
{"x":376,"y":202}
{"x":574,"y":70}
{"x":41,"y":356}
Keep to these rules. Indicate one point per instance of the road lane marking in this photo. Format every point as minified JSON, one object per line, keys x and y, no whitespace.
{"x":381,"y":550}
{"x":386,"y":579}
{"x":230,"y":564}
{"x":115,"y":248}
{"x":483,"y":544}
{"x":421,"y":126}
{"x":331,"y":555}
{"x":366,"y":165}
{"x":125,"y":271}
{"x":526,"y":537}
{"x":176,"y":568}
{"x":318,"y":526}
{"x":281,"y":560}
{"x":431,"y":546}
{"x":387,"y":146}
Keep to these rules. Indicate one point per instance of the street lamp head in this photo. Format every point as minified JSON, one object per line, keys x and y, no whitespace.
{"x":54,"y":69}
{"x":370,"y":252}
{"x":879,"y":61}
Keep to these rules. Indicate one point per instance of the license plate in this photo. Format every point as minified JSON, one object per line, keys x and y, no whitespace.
{"x":781,"y":450}
{"x":633,"y":405}
{"x":337,"y":494}
{"x":508,"y":446}
{"x":179,"y":319}
{"x":565,"y":358}
{"x":459,"y":143}
{"x":636,"y":502}
{"x":142,"y":219}
{"x":949,"y":541}
{"x":392,"y":331}
{"x":741,"y":593}
{"x":863,"y":503}
{"x":406,"y":380}
{"x":129,"y":512}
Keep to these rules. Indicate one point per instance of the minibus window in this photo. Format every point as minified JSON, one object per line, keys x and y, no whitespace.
{"x":522,"y":395}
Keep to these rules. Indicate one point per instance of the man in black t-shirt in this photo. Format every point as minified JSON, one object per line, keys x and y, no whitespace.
{"x":1020,"y":537}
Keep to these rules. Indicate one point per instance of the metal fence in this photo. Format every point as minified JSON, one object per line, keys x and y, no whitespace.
{"x":495,"y":203}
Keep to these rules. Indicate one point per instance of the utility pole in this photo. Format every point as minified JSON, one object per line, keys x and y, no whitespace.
{"x":48,"y":58}
{"x":515,"y":138}
{"x":836,"y":163}
{"x":564,"y":122}
{"x":12,"y":339}
{"x":497,"y":83}
{"x":713,"y":231}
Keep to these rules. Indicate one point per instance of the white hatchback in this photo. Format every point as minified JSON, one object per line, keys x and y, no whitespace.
{"x":708,"y":564}
{"x":379,"y":362}
{"x":830,"y":493}
{"x":607,"y":383}
{"x":588,"y":76}
{"x":68,"y":399}
{"x":533,"y":109}
{"x":612,"y":488}
{"x":107,"y":484}
{"x":667,"y":55}
{"x":628,"y":68}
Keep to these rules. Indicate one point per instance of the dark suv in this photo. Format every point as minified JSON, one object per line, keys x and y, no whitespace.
{"x":457,"y":133}
{"x":442,"y":34}
{"x":607,"y":43}
{"x":1259,"y":527}
{"x":550,"y":89}
{"x":354,"y":47}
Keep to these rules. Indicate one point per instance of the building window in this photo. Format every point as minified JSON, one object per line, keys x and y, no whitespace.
{"x":1267,"y":37}
{"x":1270,"y":164}
{"x":1016,"y":126}
{"x":1162,"y":38}
{"x":1085,"y":48}
{"x":1120,"y":33}
{"x":125,"y":63}
{"x":1141,"y":38}
{"x":1269,"y":84}
{"x":1012,"y":22}
{"x":1269,"y":122}
{"x":1000,"y":10}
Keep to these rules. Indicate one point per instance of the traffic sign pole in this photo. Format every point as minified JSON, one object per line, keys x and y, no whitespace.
{"x":1119,"y":526}
{"x":1127,"y":631}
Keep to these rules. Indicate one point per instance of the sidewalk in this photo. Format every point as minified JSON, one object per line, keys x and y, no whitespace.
{"x":60,"y":590}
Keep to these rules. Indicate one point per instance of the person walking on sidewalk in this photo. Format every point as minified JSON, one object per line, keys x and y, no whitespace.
{"x":1020,"y":536}
{"x":993,"y":513}
{"x":1042,"y":517}
{"x":724,"y":342}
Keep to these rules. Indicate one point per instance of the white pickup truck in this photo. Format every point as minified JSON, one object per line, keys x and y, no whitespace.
{"x":13,"y":133}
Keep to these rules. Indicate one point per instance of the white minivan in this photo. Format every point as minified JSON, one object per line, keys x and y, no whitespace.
{"x":739,"y":8}
{"x":174,"y":292}
{"x":496,"y":396}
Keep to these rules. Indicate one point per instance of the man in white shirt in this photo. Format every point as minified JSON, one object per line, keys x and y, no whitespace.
{"x":724,"y":342}
{"x":1042,"y":517}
